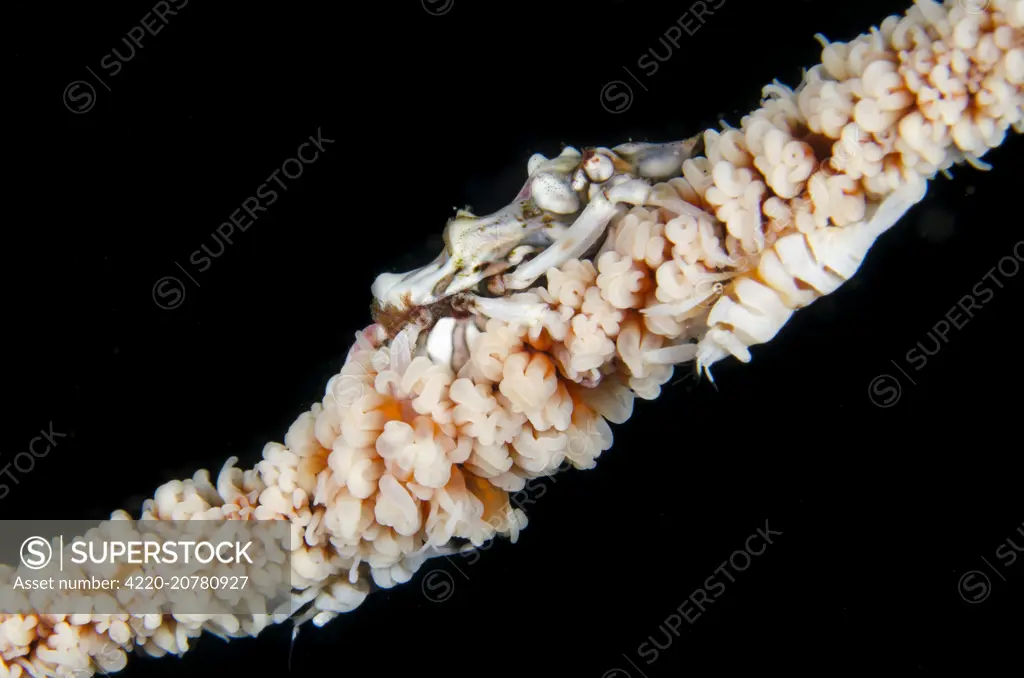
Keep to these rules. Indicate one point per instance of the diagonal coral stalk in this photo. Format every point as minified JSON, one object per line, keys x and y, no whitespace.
{"x":507,"y":358}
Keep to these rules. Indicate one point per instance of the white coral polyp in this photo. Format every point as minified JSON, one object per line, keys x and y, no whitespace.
{"x":639,"y":235}
{"x":531,"y":384}
{"x":621,"y":280}
{"x":494,"y":346}
{"x":356,"y":468}
{"x":589,"y":346}
{"x":568,"y":284}
{"x":415,"y":453}
{"x":395,"y":507}
{"x":588,"y":437}
{"x":539,"y":453}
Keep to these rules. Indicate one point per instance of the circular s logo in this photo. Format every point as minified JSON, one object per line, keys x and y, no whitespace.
{"x":79,"y":97}
{"x":438,"y":586}
{"x":168,"y":292}
{"x":974,"y":587}
{"x":36,"y":553}
{"x":884,"y":390}
{"x":616,"y":97}
{"x":346,"y":389}
{"x":437,"y":7}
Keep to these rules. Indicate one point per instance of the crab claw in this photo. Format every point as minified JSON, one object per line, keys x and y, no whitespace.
{"x":402,"y":291}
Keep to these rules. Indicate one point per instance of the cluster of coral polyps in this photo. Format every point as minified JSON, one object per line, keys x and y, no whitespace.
{"x":445,"y":409}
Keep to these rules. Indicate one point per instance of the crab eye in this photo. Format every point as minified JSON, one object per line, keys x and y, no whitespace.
{"x":599,"y":168}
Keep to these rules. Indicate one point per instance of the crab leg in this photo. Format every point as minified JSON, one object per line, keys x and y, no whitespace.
{"x":580,"y":237}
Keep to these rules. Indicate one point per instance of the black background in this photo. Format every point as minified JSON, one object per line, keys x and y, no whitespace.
{"x":882,"y":509}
